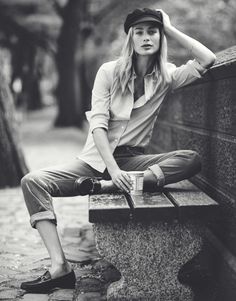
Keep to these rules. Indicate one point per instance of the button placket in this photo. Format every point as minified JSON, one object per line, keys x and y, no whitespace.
{"x":149,"y":88}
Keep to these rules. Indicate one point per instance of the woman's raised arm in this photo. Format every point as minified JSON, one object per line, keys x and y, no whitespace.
{"x":201,"y":53}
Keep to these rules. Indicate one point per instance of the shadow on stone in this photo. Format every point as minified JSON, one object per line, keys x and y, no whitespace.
{"x":107,"y":271}
{"x":200,"y":274}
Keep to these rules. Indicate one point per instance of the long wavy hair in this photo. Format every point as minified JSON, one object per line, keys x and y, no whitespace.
{"x":124,"y":66}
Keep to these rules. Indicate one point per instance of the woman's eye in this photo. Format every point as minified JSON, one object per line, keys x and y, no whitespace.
{"x":138,"y":32}
{"x":151,"y":32}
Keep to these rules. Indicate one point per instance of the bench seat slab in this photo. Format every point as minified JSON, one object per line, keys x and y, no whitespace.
{"x":108,"y":207}
{"x":152,"y":206}
{"x":191,"y":202}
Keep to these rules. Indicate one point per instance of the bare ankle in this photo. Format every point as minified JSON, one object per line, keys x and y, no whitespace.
{"x":60,"y":268}
{"x":107,"y":186}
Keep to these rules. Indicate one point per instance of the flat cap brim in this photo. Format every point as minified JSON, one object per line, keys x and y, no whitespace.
{"x":146,"y":19}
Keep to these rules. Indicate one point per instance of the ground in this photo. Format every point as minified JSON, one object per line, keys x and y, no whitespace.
{"x":22,"y":254}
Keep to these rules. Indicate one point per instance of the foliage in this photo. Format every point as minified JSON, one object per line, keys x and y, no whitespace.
{"x":211,"y":22}
{"x":34,"y":24}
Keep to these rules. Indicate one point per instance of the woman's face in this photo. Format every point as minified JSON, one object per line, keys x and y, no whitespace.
{"x":146,"y":38}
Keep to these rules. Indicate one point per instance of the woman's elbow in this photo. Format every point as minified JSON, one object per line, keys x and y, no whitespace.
{"x":212,"y":59}
{"x":209,"y":60}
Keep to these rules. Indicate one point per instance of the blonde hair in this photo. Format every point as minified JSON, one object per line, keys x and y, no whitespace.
{"x":124,"y":66}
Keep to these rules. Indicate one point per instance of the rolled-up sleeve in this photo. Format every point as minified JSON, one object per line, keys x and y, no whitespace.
{"x":99,"y":114}
{"x":185,"y":74}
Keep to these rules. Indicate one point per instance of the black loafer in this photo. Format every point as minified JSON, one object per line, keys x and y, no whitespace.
{"x":87,"y":185}
{"x":45,"y":283}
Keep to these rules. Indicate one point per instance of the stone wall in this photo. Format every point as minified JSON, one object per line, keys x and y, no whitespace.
{"x":202,"y":117}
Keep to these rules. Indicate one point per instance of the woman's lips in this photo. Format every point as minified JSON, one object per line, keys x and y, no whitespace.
{"x":146,"y":46}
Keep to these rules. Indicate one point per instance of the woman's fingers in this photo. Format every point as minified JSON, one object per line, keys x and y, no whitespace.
{"x":166,"y":18}
{"x":126,"y":182}
{"x":123,"y":181}
{"x":123,"y":186}
{"x":127,"y":179}
{"x":164,"y":14}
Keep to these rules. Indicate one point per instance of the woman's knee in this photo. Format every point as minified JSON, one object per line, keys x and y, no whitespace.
{"x":30,"y":178}
{"x":194,"y":161}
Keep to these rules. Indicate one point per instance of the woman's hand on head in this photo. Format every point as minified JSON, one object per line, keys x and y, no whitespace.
{"x":121,"y":179}
{"x":166,"y":21}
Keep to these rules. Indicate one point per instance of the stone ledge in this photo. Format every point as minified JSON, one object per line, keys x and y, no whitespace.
{"x":224,"y":67}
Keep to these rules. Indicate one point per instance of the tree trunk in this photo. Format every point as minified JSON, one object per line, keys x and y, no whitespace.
{"x":27,"y":66}
{"x":31,"y":80}
{"x":69,"y":85}
{"x":12,"y":164}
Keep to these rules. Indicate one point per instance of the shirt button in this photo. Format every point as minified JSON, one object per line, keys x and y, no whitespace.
{"x":122,"y":127}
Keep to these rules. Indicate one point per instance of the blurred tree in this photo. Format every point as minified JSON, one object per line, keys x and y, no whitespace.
{"x":26,"y":66}
{"x":210,"y":21}
{"x":70,"y":80}
{"x":74,"y":89}
{"x":23,"y":41}
{"x":66,"y":43}
{"x":12,"y":162}
{"x":82,"y":34}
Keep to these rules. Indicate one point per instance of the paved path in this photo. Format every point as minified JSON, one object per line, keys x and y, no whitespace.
{"x":22,"y":254}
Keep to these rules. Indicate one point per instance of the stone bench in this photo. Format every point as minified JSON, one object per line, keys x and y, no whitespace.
{"x":148,"y":238}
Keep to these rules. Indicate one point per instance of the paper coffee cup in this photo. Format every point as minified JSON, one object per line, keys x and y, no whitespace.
{"x":137,"y":182}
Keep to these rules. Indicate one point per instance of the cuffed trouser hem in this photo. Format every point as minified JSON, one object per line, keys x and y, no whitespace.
{"x":44,"y":215}
{"x":158,"y":174}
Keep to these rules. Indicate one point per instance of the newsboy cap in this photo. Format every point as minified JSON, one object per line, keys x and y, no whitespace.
{"x":142,"y":15}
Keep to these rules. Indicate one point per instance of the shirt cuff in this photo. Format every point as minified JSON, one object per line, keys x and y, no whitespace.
{"x":196,"y":68}
{"x":98,"y":122}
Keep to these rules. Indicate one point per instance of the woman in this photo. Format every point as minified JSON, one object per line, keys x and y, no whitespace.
{"x":126,"y":99}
